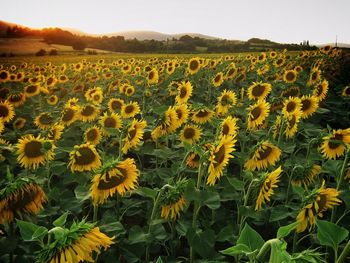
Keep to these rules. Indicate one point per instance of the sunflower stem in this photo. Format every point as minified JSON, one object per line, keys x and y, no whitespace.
{"x":245,"y":198}
{"x":94,"y":218}
{"x":344,"y":253}
{"x":281,"y":130}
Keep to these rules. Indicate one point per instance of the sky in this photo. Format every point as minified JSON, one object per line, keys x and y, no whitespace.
{"x":285,"y":21}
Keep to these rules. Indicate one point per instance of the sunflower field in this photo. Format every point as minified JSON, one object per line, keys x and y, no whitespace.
{"x":164,"y":158}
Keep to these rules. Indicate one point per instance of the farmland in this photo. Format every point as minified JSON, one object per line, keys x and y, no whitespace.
{"x":175,"y":158}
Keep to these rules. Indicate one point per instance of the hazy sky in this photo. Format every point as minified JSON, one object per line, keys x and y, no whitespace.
{"x":318,"y":21}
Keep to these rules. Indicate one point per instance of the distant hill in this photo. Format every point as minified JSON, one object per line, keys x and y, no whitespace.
{"x":342,"y":45}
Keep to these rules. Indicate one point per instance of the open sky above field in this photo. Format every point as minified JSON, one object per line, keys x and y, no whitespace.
{"x":318,"y":21}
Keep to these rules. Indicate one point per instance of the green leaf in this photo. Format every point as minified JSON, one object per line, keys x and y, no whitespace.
{"x":30,"y":231}
{"x":202,"y":241}
{"x":236,"y":250}
{"x":147,"y":192}
{"x":137,"y":235}
{"x":329,"y":234}
{"x":284,"y":231}
{"x":61,"y":220}
{"x":81,"y":193}
{"x":278,"y":253}
{"x":210,"y":199}
{"x":250,"y":238}
{"x":236,"y":183}
{"x":159,"y":260}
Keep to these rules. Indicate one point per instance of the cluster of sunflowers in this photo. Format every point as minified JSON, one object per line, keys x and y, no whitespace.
{"x":125,"y":129}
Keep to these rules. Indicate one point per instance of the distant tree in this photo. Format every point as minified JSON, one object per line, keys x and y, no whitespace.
{"x":40,"y":53}
{"x":53,"y":52}
{"x":79,"y":45}
{"x":186,"y":38}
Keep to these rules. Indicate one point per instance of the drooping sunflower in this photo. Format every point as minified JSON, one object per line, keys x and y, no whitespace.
{"x":32,"y":90}
{"x":291,"y":106}
{"x":218,"y":79}
{"x":88,"y":113}
{"x":309,"y":105}
{"x":257,"y":114}
{"x":264,"y":155}
{"x":202,"y":116}
{"x":292,"y":125}
{"x":192,"y":160}
{"x":84,"y":157}
{"x":290,"y":76}
{"x":219,"y":158}
{"x":44,"y":121}
{"x":121,"y":178}
{"x":81,"y":242}
{"x":269,"y":181}
{"x":173,"y":201}
{"x":69,"y":115}
{"x":130,"y":109}
{"x":259,"y":91}
{"x":17,"y":100}
{"x":346,"y":91}
{"x":6,"y":111}
{"x":115,"y":104}
{"x":190,"y":134}
{"x":182,"y":113}
{"x":321,"y":200}
{"x":321,"y":90}
{"x":19,"y":198}
{"x":134,"y":135}
{"x":34,"y":151}
{"x":93,"y":135}
{"x":334,"y":145}
{"x":226,"y":100}
{"x":153,"y":77}
{"x":307,"y":177}
{"x":229,"y":127}
{"x":193,"y":65}
{"x":172,"y":210}
{"x":184,"y":92}
{"x":112,"y":121}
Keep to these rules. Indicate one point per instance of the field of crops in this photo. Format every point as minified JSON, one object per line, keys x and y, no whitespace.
{"x":220,"y":158}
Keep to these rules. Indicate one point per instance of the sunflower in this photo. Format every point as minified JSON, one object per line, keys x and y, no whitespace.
{"x":307,"y":177}
{"x":88,"y":113}
{"x":126,"y":69}
{"x":6,"y":111}
{"x":264,"y":155}
{"x":84,"y":157}
{"x":51,"y":81}
{"x":314,"y":77}
{"x":4,"y":76}
{"x":279,"y":62}
{"x":2,"y":126}
{"x":81,"y":242}
{"x":309,"y":105}
{"x":44,"y":121}
{"x":291,"y":106}
{"x":112,"y":121}
{"x":17,"y":100}
{"x":322,"y":200}
{"x":335,"y":145}
{"x":72,"y":102}
{"x":190,"y":134}
{"x":192,"y":160}
{"x":129,"y":91}
{"x":153,"y":77}
{"x":93,"y":135}
{"x":229,"y":127}
{"x":52,"y":100}
{"x":55,"y":132}
{"x":94,"y":95}
{"x":257,"y":114}
{"x":121,"y":178}
{"x":202,"y":116}
{"x":291,"y":92}
{"x":21,"y":197}
{"x":32,"y":90}
{"x":290,"y":76}
{"x":115,"y":104}
{"x":226,"y":100}
{"x":69,"y":115}
{"x":218,"y":79}
{"x":34,"y":151}
{"x":346,"y":91}
{"x":321,"y":90}
{"x":269,"y":181}
{"x":184,"y":92}
{"x":134,"y":135}
{"x":130,"y":109}
{"x":219,"y":158}
{"x":193,"y":65}
{"x":259,"y":91}
{"x":171,"y":121}
{"x":292,"y":124}
{"x":172,"y":210}
{"x":182,"y":113}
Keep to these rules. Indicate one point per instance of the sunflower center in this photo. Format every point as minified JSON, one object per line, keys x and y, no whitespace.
{"x":347,"y":91}
{"x":264,"y":153}
{"x":129,"y":109}
{"x":194,"y":64}
{"x":116,"y":105}
{"x":87,"y":111}
{"x":4,"y":111}
{"x":258,"y":90}
{"x":45,"y":119}
{"x":217,"y":78}
{"x":86,"y":156}
{"x":151,"y":75}
{"x":91,"y":135}
{"x":314,"y":76}
{"x":292,"y":121}
{"x":225,"y":100}
{"x":32,"y":149}
{"x":68,"y":115}
{"x":3,"y":75}
{"x":96,"y":97}
{"x":219,"y":156}
{"x":255,"y":113}
{"x":183,"y":92}
{"x":291,"y":106}
{"x":225,"y":129}
{"x":110,"y":122}
{"x":23,"y":198}
{"x":49,"y":81}
{"x":290,"y":76}
{"x":305,"y":104}
{"x":132,"y":134}
{"x":189,"y":133}
{"x":15,"y":98}
{"x":31,"y":89}
{"x":179,"y":114}
{"x":202,"y":114}
{"x":113,"y":181}
{"x":321,"y":202}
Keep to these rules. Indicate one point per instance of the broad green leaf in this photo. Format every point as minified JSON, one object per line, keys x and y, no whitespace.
{"x":159,"y":260}
{"x":210,"y":199}
{"x":202,"y":241}
{"x":147,"y":192}
{"x":236,"y":250}
{"x":61,"y":220}
{"x":329,"y":234}
{"x":250,"y":238}
{"x":137,"y":235}
{"x":29,"y":230}
{"x":278,"y":253}
{"x":284,"y":231}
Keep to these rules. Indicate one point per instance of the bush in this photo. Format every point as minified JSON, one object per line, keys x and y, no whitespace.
{"x":41,"y":52}
{"x":79,"y":45}
{"x":53,"y":52}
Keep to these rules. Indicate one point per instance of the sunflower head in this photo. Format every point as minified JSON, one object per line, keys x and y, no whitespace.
{"x":84,"y":157}
{"x":264,"y":155}
{"x":193,"y":65}
{"x":259,"y":91}
{"x":6,"y":111}
{"x":257,"y":114}
{"x":184,"y":92}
